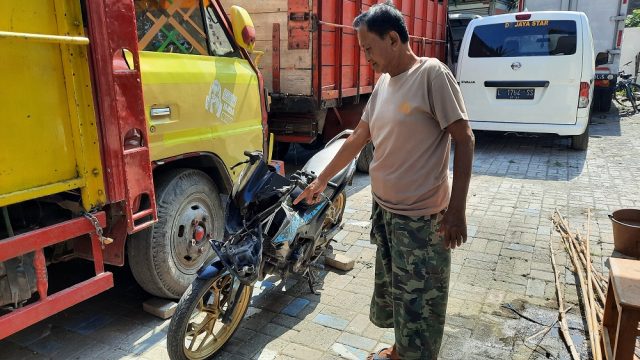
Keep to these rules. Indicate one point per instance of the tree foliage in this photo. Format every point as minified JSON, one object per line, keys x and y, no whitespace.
{"x":633,"y":20}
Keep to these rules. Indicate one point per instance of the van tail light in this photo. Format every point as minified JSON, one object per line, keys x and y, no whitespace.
{"x":521,"y":17}
{"x":583,"y":102}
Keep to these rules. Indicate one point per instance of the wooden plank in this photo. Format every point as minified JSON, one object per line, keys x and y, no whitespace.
{"x":295,"y":69}
{"x":263,"y":23}
{"x":296,"y":81}
{"x":289,"y":59}
{"x":275,"y":58}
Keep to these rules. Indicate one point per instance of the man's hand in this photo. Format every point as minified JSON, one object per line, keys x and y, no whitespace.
{"x":311,"y":195}
{"x":453,"y":227}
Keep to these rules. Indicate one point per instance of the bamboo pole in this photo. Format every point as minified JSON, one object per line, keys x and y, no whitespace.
{"x":561,"y":311}
{"x":583,"y":290}
{"x":595,"y":324}
{"x":600,"y":283}
{"x":572,"y":247}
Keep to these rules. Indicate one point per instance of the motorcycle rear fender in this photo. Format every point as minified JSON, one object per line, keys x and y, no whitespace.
{"x":211,"y":269}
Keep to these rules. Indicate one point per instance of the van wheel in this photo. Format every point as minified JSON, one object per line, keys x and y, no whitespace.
{"x":164,"y":258}
{"x":580,"y":142}
{"x":365,"y":158}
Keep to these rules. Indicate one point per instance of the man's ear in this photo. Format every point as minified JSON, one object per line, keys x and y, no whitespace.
{"x":394,"y":38}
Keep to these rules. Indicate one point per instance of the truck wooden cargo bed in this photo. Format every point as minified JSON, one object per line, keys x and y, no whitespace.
{"x":317,"y":49}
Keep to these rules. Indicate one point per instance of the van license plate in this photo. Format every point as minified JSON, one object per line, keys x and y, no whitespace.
{"x":515,"y":94}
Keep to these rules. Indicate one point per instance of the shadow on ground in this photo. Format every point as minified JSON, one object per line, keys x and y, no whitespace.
{"x":111,"y":325}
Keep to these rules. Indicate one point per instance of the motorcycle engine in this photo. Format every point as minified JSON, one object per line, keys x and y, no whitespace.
{"x":299,"y":256}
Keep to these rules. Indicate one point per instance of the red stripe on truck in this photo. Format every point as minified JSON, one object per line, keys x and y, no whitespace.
{"x":619,"y":38}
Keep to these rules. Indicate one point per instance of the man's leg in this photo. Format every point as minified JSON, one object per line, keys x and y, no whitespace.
{"x":420,"y":286}
{"x":381,"y":311}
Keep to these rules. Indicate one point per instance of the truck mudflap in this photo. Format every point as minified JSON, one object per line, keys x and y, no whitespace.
{"x":33,"y":243}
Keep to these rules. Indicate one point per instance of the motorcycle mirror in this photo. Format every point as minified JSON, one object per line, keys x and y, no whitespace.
{"x":253,"y":156}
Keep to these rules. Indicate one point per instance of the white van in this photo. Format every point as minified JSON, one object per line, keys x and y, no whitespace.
{"x":529,"y":72}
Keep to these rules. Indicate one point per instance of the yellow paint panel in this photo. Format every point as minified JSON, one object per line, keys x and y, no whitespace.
{"x":49,"y":135}
{"x":210,"y":104}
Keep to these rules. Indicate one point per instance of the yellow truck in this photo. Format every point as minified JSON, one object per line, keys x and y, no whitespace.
{"x":121,"y":122}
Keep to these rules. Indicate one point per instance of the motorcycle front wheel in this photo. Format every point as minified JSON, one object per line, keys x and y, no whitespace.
{"x":197,"y":330}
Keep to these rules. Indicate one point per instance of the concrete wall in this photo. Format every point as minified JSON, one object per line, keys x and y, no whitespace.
{"x":630,"y":48}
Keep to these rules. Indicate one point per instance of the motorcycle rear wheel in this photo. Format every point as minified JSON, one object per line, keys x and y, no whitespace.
{"x":196,"y":330}
{"x":335,"y":213}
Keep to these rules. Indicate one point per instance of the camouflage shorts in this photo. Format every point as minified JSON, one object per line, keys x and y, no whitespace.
{"x":411,"y":281}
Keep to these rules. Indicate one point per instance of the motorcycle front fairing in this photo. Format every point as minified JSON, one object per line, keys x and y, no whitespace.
{"x":298,"y":221}
{"x":257,"y":191}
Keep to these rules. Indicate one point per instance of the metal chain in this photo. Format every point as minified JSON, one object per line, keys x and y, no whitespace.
{"x":96,"y":224}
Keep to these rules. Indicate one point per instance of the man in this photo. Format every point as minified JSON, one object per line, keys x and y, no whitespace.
{"x":414,"y":111}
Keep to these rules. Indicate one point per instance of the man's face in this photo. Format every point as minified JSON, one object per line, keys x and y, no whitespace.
{"x":378,"y":51}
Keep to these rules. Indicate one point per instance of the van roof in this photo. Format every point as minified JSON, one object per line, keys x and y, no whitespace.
{"x":535,"y":15}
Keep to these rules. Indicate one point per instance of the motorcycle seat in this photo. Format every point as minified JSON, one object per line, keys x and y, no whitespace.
{"x":321,"y":159}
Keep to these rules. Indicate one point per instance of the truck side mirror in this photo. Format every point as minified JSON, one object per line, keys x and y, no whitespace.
{"x":243,"y":30}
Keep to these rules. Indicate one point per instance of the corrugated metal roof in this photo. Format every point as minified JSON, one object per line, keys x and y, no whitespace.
{"x":479,"y":10}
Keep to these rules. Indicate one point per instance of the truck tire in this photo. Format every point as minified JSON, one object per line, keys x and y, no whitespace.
{"x":605,"y":102}
{"x":164,"y":258}
{"x":280,"y":150}
{"x":602,"y":101}
{"x":316,"y":144}
{"x":580,"y":142}
{"x":364,"y":160}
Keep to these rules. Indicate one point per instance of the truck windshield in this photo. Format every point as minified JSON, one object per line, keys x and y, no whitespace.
{"x":524,"y":38}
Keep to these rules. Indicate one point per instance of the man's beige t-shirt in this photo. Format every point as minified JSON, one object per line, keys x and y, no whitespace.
{"x":407,"y":115}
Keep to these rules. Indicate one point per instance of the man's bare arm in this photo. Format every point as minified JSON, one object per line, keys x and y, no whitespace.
{"x":454,"y":223}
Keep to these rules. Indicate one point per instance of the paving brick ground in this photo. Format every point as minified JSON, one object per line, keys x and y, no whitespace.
{"x":505,"y":268}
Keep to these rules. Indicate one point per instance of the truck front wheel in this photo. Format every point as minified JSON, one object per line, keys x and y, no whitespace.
{"x":165,"y":257}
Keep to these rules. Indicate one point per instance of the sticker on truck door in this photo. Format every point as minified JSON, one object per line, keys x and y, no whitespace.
{"x":221,"y":102}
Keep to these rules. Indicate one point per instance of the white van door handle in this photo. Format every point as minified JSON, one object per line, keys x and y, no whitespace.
{"x":160,"y":111}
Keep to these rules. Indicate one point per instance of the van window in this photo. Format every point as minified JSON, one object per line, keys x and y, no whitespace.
{"x":524,"y":38}
{"x":219,"y":43}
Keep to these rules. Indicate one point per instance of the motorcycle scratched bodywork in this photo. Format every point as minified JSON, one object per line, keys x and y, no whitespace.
{"x":264,"y":234}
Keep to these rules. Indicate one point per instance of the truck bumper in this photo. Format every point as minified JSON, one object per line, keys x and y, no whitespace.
{"x":47,"y":305}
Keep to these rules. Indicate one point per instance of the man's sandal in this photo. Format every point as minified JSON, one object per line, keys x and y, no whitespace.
{"x":377,"y":356}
